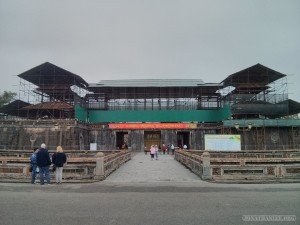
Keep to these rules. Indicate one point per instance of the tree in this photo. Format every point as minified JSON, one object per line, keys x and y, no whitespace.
{"x":7,"y":97}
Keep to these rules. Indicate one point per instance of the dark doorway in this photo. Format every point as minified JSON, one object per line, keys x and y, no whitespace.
{"x":183,"y":138}
{"x":122,"y":140}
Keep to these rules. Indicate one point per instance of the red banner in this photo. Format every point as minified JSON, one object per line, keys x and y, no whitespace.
{"x":151,"y":126}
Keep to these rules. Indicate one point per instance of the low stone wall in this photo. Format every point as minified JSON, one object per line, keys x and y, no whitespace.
{"x":241,"y":168}
{"x":292,"y":153}
{"x":69,"y":153}
{"x":81,"y":166}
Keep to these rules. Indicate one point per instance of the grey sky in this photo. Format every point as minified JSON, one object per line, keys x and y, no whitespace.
{"x":119,"y":39}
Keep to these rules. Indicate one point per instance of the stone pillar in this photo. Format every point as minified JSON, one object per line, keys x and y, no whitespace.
{"x":99,"y":171}
{"x":26,"y":170}
{"x":242,"y":162}
{"x":206,"y":169}
{"x":279,"y":171}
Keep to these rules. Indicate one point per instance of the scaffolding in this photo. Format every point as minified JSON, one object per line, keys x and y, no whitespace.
{"x":51,"y":91}
{"x":256,"y":92}
{"x":162,"y":95}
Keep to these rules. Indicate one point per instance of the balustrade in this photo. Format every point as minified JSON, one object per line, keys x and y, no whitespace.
{"x":81,"y":166}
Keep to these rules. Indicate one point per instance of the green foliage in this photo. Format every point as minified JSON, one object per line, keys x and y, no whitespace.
{"x":7,"y":97}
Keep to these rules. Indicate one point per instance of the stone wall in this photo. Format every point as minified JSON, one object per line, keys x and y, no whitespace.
{"x":25,"y":135}
{"x":70,"y":134}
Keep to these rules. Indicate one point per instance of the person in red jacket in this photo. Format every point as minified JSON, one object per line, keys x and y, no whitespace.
{"x":164,"y":148}
{"x":59,"y":159}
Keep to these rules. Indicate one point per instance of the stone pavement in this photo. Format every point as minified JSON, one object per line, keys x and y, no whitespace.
{"x":141,"y":169}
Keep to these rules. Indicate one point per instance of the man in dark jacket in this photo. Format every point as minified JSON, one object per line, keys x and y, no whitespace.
{"x":43,"y":162}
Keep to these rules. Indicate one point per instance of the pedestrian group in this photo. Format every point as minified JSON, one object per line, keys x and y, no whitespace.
{"x":40,"y":163}
{"x":154,"y":150}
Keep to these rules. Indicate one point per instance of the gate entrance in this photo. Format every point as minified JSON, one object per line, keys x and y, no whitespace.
{"x":122,"y":140}
{"x":152,"y":138}
{"x":183,"y":138}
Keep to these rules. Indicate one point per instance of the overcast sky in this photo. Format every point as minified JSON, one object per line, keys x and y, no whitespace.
{"x":120,"y":39}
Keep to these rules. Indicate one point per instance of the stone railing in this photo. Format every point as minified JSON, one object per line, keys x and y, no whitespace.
{"x":69,"y":153}
{"x":81,"y":166}
{"x":241,"y":167}
{"x":293,"y":153}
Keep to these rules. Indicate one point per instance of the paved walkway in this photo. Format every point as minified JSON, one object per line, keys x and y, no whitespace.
{"x":141,"y":169}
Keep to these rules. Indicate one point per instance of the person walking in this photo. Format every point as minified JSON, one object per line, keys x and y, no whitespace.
{"x":33,"y":165}
{"x":156,"y":152}
{"x":43,"y":162}
{"x":172,"y":149}
{"x":164,"y":149}
{"x":152,"y":152}
{"x":59,"y":159}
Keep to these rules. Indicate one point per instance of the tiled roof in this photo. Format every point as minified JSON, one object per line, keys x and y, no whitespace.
{"x":50,"y":105}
